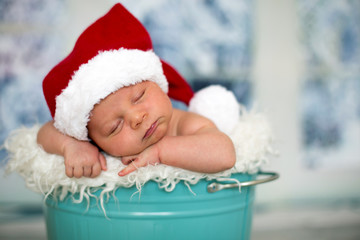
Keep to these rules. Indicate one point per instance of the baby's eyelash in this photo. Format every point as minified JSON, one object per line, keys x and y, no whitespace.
{"x":115,"y":127}
{"x":140,"y":96}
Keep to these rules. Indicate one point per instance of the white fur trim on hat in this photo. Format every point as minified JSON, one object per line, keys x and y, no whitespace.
{"x":95,"y":80}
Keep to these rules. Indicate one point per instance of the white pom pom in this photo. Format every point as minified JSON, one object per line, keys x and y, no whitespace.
{"x":217,"y":104}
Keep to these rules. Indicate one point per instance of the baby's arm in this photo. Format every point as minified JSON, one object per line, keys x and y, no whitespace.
{"x":81,"y":158}
{"x":198,"y":146}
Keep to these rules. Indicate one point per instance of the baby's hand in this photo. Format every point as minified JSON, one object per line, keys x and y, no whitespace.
{"x":83,"y":159}
{"x":149,"y":156}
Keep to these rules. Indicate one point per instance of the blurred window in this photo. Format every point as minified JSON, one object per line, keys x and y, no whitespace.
{"x":330,"y":91}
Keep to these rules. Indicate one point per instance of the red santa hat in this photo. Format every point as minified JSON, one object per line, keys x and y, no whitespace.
{"x":114,"y":52}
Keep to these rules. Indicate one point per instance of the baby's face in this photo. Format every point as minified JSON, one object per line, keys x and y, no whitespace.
{"x":131,"y":119}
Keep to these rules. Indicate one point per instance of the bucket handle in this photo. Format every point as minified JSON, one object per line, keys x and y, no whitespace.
{"x":215,"y":186}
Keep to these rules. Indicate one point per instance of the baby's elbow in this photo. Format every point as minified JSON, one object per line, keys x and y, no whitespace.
{"x":230,"y":160}
{"x":229,"y":157}
{"x":224,"y":156}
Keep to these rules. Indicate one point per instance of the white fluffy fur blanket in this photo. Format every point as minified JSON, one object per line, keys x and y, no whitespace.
{"x":45,"y":173}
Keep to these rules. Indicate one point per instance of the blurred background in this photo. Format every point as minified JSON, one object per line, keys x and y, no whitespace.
{"x":296,"y":60}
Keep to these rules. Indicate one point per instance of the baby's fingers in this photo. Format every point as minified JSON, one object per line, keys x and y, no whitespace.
{"x":127,"y":160}
{"x":69,"y":171}
{"x":87,"y":171}
{"x":129,"y":169}
{"x":96,"y":170}
{"x":102,"y":162}
{"x":78,"y":172}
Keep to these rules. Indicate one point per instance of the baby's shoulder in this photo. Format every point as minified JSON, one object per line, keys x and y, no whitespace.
{"x":188,"y":123}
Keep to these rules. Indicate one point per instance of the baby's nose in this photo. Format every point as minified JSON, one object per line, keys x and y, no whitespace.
{"x":137,"y":118}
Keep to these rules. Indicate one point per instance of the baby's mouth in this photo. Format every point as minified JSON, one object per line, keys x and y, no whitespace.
{"x":151,"y":130}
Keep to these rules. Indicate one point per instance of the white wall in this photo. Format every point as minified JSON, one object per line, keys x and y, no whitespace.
{"x":278,"y":72}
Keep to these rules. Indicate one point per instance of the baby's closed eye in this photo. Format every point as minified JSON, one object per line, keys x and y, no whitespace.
{"x":139,"y":96}
{"x":116,"y":127}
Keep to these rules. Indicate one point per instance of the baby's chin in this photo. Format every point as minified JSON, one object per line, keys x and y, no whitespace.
{"x":143,"y":148}
{"x":139,"y":148}
{"x":134,"y":152}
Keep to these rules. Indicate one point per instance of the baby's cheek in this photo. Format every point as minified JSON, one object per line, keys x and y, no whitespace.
{"x":118,"y":150}
{"x":109,"y":148}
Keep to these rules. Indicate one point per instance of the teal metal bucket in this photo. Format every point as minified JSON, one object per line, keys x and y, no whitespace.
{"x":217,"y":211}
